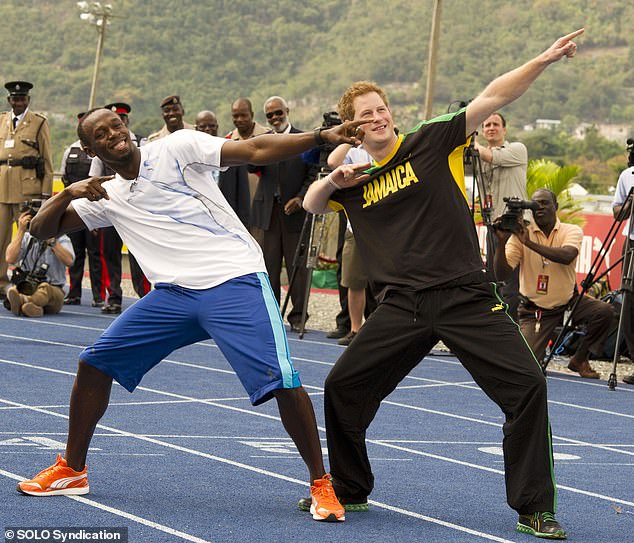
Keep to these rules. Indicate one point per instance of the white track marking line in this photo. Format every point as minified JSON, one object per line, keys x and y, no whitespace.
{"x":241,"y":465}
{"x":121,"y":513}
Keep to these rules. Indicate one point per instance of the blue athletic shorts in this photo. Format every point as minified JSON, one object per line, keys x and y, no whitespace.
{"x":240,"y":315}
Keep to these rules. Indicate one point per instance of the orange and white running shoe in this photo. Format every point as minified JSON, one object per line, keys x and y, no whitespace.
{"x":58,"y":480}
{"x":325,"y":505}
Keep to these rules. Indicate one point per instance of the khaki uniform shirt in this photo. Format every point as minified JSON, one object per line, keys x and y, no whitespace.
{"x":18,"y":184}
{"x":538,"y":274}
{"x":165,"y":132}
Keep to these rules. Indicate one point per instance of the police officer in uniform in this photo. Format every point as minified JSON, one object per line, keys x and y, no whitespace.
{"x":173,"y":112}
{"x":76,"y":167}
{"x":26,"y":167}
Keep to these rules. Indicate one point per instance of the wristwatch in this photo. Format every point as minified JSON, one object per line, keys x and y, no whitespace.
{"x":317,"y":134}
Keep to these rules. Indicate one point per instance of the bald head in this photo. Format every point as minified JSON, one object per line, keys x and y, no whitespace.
{"x":207,"y":122}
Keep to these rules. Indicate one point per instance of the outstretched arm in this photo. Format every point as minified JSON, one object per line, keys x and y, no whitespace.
{"x":511,"y":85}
{"x":270,"y":148}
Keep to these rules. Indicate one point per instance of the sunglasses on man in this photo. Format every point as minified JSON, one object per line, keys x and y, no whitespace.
{"x":276,"y":113}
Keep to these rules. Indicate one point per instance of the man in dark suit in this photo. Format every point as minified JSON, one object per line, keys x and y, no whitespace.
{"x":277,"y":211}
{"x":234,"y":181}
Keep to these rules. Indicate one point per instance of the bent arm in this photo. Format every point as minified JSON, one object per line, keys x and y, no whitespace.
{"x":345,"y":176}
{"x":511,"y":85}
{"x":56,"y":217}
{"x":560,"y":255}
{"x":316,"y":199}
{"x":63,"y":255}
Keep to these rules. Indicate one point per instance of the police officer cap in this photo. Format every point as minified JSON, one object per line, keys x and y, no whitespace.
{"x":119,"y":108}
{"x":18,"y":88}
{"x":169,"y":100}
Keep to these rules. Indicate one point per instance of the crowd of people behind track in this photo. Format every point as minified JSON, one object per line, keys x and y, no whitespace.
{"x":403,"y":197}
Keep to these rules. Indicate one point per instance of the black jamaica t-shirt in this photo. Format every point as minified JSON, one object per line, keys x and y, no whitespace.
{"x":411,"y":221}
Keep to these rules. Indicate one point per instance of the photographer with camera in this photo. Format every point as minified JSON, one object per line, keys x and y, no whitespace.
{"x":40,"y":276}
{"x":546,"y":253}
{"x":621,"y":207}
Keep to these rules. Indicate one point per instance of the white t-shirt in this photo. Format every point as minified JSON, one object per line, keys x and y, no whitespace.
{"x":174,"y":219}
{"x":625,"y":183}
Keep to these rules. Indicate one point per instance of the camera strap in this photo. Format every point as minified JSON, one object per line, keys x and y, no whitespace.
{"x":42,"y":247}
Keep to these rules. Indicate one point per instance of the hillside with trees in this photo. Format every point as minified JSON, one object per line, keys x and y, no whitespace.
{"x":212,"y":51}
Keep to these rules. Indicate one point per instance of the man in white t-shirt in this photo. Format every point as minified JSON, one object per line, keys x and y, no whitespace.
{"x":209,"y":277}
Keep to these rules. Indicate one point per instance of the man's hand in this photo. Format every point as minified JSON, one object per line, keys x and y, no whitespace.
{"x":293,"y":205}
{"x":89,"y":188}
{"x":346,"y":132}
{"x":23,"y":221}
{"x":563,"y":47}
{"x":349,"y":175}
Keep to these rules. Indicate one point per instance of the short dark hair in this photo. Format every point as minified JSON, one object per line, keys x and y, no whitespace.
{"x":500,"y":116}
{"x":81,"y":133}
{"x":553,"y":196}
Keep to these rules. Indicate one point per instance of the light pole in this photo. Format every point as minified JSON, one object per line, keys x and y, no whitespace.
{"x":96,"y":14}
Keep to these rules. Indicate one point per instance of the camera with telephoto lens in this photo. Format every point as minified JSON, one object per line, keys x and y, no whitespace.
{"x":31,"y":206}
{"x":509,"y":221}
{"x":27,"y":281}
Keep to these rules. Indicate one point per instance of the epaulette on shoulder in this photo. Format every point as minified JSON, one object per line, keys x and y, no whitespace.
{"x":41,"y":115}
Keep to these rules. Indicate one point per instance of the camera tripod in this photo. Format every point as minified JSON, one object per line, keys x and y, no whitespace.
{"x":471,"y":157}
{"x":306,"y":254}
{"x":626,"y":287}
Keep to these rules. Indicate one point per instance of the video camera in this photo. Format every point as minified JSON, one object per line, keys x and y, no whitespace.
{"x":630,"y":150}
{"x":27,"y":281}
{"x":331,"y":118}
{"x":31,"y":206}
{"x":509,"y":221}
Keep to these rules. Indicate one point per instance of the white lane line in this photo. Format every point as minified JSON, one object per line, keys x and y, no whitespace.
{"x":241,"y":465}
{"x":611,"y":499}
{"x":276,"y":418}
{"x":594,"y":409}
{"x":120,"y":513}
{"x":499,"y":425}
{"x":469,"y":419}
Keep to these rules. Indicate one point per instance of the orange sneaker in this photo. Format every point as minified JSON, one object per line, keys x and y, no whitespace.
{"x":325,"y":505}
{"x":57,"y":480}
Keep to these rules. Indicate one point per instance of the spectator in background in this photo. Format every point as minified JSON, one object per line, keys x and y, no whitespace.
{"x":76,"y":167}
{"x":173,"y":112}
{"x":277,"y":212}
{"x":504,"y":169}
{"x":546,"y":253}
{"x":246,"y":127}
{"x":234,"y":181}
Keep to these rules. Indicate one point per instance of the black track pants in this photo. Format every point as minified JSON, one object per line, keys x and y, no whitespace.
{"x":472,"y":322}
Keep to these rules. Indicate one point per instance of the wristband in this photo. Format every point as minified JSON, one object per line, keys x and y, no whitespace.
{"x":332,"y":182}
{"x":317,"y":134}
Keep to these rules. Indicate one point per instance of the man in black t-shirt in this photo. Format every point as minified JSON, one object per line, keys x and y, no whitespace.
{"x":416,"y":236}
